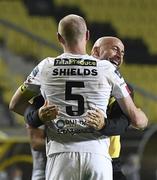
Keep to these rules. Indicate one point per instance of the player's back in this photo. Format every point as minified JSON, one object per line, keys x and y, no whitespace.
{"x":76,"y":83}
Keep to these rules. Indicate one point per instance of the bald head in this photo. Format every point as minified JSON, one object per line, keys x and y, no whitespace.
{"x":72,"y":28}
{"x":109,"y":48}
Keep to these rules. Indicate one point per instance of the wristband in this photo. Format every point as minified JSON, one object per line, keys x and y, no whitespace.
{"x":33,"y":119}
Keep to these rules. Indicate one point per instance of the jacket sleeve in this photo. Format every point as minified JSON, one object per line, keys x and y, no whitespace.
{"x":115,"y":126}
{"x":31,"y":113}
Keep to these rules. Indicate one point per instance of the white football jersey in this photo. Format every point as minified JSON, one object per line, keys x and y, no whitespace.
{"x":76,"y":83}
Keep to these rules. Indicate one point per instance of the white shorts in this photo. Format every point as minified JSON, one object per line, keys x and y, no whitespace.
{"x":78,"y":166}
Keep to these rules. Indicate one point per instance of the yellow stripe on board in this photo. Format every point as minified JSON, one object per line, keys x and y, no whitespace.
{"x":15,"y":159}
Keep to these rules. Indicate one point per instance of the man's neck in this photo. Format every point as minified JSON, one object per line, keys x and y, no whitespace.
{"x":75,"y":50}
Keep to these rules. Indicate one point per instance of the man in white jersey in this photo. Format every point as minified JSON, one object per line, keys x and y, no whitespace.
{"x":114,"y":52}
{"x":76,"y":82}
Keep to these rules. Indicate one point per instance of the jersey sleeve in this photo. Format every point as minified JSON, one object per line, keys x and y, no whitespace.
{"x":33,"y":80}
{"x":119,"y":86}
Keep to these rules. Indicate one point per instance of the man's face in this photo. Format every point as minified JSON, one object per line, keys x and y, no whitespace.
{"x":112,"y":50}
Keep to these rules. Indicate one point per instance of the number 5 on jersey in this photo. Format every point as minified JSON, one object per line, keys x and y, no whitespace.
{"x":77,"y":97}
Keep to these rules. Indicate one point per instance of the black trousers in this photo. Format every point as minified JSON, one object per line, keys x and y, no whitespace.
{"x":117,"y":173}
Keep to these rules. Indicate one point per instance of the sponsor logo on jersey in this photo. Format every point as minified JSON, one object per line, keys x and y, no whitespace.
{"x":122,"y":83}
{"x":69,"y":123}
{"x":74,"y":62}
{"x":118,"y":73}
{"x":73,"y":131}
{"x":35,"y":71}
{"x":72,"y":126}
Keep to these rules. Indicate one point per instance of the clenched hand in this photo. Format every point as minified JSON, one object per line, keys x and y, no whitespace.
{"x":48,"y":112}
{"x":95,"y":119}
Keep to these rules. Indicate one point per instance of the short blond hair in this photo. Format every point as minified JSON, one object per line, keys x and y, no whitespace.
{"x":72,"y":28}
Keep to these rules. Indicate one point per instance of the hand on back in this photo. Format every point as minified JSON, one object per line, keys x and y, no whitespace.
{"x":48,"y":112}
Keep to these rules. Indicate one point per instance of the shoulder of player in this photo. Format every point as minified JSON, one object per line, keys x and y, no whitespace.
{"x":49,"y":60}
{"x":45,"y":61}
{"x":105,"y":64}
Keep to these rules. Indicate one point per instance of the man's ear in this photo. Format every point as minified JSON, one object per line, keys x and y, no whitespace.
{"x":87,"y":35}
{"x":95,"y":51}
{"x":60,"y":38}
